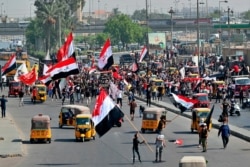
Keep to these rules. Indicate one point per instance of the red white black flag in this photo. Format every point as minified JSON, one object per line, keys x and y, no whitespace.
{"x":106,"y":57}
{"x":106,"y":114}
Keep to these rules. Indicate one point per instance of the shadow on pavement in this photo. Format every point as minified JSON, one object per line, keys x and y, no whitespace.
{"x":64,"y":140}
{"x":37,"y":142}
{"x":245,"y":149}
{"x":17,"y":140}
{"x":183,"y":132}
{"x":189,"y":145}
{"x":59,"y":164}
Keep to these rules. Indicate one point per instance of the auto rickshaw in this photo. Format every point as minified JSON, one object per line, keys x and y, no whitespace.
{"x":159,"y":83}
{"x":14,"y":88}
{"x":41,"y":93}
{"x":151,"y":118}
{"x":84,"y":129}
{"x":68,"y":113}
{"x":215,"y":85}
{"x":40,"y":128}
{"x":199,"y":115}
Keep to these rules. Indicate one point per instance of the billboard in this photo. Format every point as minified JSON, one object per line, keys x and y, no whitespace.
{"x":157,"y":39}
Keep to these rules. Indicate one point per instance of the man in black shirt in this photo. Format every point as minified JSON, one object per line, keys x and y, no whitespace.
{"x":135,"y":148}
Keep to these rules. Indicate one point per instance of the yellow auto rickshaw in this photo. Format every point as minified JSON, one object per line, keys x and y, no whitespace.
{"x":40,"y":128}
{"x":41,"y":93}
{"x":68,"y":113}
{"x":84,"y":129}
{"x":172,"y":70}
{"x":199,"y":115}
{"x":215,"y":85}
{"x":151,"y":118}
{"x":159,"y":83}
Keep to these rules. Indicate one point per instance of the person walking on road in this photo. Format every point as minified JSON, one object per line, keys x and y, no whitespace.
{"x":135,"y":148}
{"x":34,"y":93}
{"x":159,"y":143}
{"x":133,"y":105}
{"x":3,"y":105}
{"x":225,"y":133}
{"x":148,"y":95}
{"x":203,"y":136}
{"x":20,"y":94}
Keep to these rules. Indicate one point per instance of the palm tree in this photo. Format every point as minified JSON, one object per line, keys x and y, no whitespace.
{"x":48,"y":11}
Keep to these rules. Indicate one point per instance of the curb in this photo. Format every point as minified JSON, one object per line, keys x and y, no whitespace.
{"x":215,"y":126}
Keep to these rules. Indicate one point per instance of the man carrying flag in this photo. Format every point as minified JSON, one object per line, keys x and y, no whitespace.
{"x":106,"y":114}
{"x":143,"y":53}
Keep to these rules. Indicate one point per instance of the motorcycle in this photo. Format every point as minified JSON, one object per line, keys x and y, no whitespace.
{"x":246,"y":103}
{"x":235,"y":109}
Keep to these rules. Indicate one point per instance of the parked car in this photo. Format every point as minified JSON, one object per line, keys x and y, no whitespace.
{"x":126,"y":59}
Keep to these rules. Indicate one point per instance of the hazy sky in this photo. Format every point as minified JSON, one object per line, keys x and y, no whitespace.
{"x":22,"y":8}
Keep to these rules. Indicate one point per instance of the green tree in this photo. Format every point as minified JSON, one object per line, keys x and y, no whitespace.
{"x":215,"y":14}
{"x":246,"y":15}
{"x":101,"y":38}
{"x":122,"y":29}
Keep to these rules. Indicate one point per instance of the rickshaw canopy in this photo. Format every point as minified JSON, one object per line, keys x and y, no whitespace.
{"x":153,"y":113}
{"x":40,"y":121}
{"x":76,"y":109}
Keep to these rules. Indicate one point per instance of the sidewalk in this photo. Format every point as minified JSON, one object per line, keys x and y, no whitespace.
{"x":236,"y":131}
{"x":10,"y":142}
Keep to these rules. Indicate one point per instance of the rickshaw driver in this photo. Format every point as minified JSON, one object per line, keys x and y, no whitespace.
{"x":161,"y":125}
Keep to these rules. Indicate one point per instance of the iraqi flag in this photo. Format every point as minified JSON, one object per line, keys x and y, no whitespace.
{"x":92,"y":70}
{"x":135,"y":67}
{"x":106,"y":57}
{"x":209,"y":117}
{"x":9,"y":65}
{"x":64,"y":68}
{"x":67,"y":49}
{"x":21,"y":70}
{"x":184,"y":101}
{"x":144,"y":52}
{"x":105,"y":114}
{"x":29,"y":78}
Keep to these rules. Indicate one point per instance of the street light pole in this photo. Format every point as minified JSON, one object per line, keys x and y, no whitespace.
{"x":147,"y":40}
{"x":228,"y":22}
{"x":198,"y":33}
{"x":220,"y":32}
{"x":171,"y":42}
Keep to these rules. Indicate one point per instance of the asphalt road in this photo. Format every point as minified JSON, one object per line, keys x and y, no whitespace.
{"x":114,"y":148}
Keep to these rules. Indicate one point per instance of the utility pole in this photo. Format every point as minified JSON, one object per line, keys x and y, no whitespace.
{"x":171,"y":12}
{"x":229,"y":32}
{"x":198,"y":33}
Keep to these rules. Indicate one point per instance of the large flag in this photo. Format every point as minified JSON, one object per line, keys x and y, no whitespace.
{"x":63,"y":69}
{"x":92,"y":70}
{"x":184,"y":101}
{"x":106,"y":58}
{"x":105,"y":113}
{"x":209,"y":116}
{"x":9,"y":65}
{"x":144,"y":52}
{"x":66,"y":50}
{"x":21,"y":70}
{"x":29,"y":78}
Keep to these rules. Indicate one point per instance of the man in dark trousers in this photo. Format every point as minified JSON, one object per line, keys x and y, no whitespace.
{"x":225,"y":133}
{"x":148,"y":95}
{"x":3,"y":105}
{"x":135,"y":148}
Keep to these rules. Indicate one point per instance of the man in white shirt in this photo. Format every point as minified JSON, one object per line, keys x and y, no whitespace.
{"x":159,"y":143}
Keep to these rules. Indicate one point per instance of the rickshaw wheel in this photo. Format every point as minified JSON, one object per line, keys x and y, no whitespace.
{"x":49,"y":140}
{"x":192,"y":130}
{"x":82,"y":139}
{"x":93,"y":137}
{"x":31,"y":141}
{"x":60,"y":126}
{"x":142,"y":130}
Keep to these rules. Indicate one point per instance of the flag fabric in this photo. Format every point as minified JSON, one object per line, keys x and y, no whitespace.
{"x":106,"y":58}
{"x":62,"y":83}
{"x":21,"y":70}
{"x":9,"y":65}
{"x":178,"y":142}
{"x":45,"y":79}
{"x":125,"y":82}
{"x":209,"y":116}
{"x":64,"y":69}
{"x":135,"y":67}
{"x":116,"y":75}
{"x":184,"y":101}
{"x":67,"y":49}
{"x":92,"y":70}
{"x":182,"y":72}
{"x":29,"y":78}
{"x":143,"y":53}
{"x":105,"y":113}
{"x":113,"y":89}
